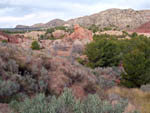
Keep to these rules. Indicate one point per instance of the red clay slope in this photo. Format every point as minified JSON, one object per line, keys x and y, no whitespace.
{"x":145,"y":28}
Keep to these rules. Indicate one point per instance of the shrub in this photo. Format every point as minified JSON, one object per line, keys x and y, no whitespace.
{"x":103,"y":52}
{"x":51,"y":30}
{"x":60,"y":28}
{"x":4,"y":41}
{"x":7,"y":90}
{"x":128,"y":26}
{"x":145,"y":88}
{"x":125,"y":33}
{"x":77,"y":48}
{"x":81,"y":61}
{"x":41,"y":37}
{"x":35,"y":45}
{"x":136,"y":63}
{"x":107,"y":28}
{"x":133,"y":35}
{"x":94,"y":28}
{"x":66,"y":103}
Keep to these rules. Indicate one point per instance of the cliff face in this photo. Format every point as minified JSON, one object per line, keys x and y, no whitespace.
{"x":118,"y":18}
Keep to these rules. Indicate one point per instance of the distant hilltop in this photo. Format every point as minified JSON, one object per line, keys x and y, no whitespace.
{"x":127,"y":19}
{"x":53,"y":23}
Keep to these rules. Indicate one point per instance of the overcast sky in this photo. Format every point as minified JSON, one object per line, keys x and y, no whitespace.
{"x":28,"y":12}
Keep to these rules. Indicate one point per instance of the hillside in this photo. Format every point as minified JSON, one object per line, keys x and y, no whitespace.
{"x":122,"y":19}
{"x":118,"y":18}
{"x":52,"y":23}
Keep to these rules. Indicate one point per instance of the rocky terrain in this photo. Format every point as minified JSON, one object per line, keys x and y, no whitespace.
{"x":50,"y":61}
{"x":119,"y":18}
{"x":124,"y":19}
{"x":52,"y":68}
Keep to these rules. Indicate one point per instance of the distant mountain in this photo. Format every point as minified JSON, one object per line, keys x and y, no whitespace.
{"x":118,"y":18}
{"x":55,"y":22}
{"x":52,"y":23}
{"x":39,"y":25}
{"x":22,"y":26}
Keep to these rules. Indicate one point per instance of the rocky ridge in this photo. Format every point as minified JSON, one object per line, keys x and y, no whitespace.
{"x":52,"y":23}
{"x":118,"y":18}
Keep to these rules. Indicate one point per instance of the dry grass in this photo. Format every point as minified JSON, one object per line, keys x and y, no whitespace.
{"x":136,"y":96}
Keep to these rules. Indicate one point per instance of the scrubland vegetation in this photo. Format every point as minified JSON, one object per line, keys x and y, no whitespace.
{"x":133,"y":54}
{"x":113,"y":64}
{"x":24,"y":85}
{"x":67,"y":103}
{"x":49,"y":31}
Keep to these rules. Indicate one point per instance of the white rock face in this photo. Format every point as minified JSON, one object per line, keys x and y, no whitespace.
{"x":122,"y":19}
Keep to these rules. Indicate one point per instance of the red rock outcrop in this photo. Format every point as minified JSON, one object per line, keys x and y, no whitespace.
{"x":145,"y":28}
{"x":10,"y":38}
{"x":81,"y":33}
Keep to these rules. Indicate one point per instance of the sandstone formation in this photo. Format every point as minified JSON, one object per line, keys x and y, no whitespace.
{"x":59,"y":34}
{"x":81,"y":33}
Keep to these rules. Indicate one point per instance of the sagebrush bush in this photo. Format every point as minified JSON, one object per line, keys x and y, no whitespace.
{"x":7,"y":90}
{"x":145,"y":88}
{"x":67,"y":103}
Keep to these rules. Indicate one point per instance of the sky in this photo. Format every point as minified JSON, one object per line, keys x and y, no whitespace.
{"x":29,"y":12}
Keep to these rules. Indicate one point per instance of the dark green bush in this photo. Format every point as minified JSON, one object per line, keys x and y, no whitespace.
{"x":137,"y":62}
{"x":134,"y":35}
{"x":61,"y":28}
{"x":35,"y":45}
{"x":4,"y":41}
{"x":103,"y":52}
